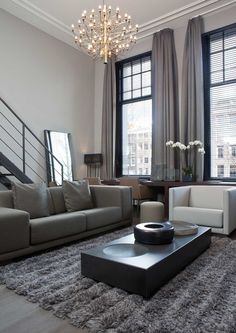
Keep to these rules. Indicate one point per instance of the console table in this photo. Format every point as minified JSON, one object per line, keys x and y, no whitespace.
{"x":162,"y":186}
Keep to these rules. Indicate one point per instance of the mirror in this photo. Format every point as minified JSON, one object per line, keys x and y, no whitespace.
{"x":58,"y":152}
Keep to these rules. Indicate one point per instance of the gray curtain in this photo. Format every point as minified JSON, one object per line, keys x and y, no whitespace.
{"x":108,"y":120}
{"x":192,"y":116}
{"x":165,"y":109}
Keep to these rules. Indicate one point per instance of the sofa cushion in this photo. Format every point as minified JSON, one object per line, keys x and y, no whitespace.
{"x":77,"y":195}
{"x":99,"y":217}
{"x":201,"y":216}
{"x":6,"y":199}
{"x":57,"y":202}
{"x":32,"y":198}
{"x":14,"y":233}
{"x":207,"y":197}
{"x":56,"y":226}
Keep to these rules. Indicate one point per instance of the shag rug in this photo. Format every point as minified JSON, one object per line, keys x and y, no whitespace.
{"x":201,"y":298}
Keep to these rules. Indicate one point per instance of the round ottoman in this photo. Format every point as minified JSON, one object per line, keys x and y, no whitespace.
{"x":151,"y":211}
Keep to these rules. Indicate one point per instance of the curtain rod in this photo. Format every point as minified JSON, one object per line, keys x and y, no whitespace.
{"x":181,"y":15}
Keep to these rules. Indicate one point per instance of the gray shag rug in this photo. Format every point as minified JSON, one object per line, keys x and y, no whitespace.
{"x":202,"y":298}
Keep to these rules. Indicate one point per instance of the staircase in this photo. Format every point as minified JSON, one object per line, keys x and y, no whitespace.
{"x":23,"y":156}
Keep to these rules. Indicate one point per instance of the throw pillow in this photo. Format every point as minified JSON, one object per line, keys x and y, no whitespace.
{"x":77,"y":195}
{"x":32,"y":198}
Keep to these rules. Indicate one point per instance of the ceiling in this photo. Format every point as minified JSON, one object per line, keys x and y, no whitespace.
{"x":56,"y":16}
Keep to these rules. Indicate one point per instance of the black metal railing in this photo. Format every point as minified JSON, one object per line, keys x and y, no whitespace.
{"x":26,"y":149}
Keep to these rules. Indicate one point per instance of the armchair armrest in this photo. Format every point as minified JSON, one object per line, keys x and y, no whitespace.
{"x":108,"y":196}
{"x":14,"y":229}
{"x":178,"y":196}
{"x":229,"y":210}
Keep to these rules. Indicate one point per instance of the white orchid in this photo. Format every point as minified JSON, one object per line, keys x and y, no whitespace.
{"x":187,"y":149}
{"x":169,"y":143}
{"x":182,"y":147}
{"x":201,"y":150}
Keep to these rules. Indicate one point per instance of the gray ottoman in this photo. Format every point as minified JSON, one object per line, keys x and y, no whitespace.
{"x":151,"y":211}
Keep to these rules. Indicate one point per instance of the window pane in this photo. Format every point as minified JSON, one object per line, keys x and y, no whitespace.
{"x":230,"y":64}
{"x":217,"y":77}
{"x":216,"y":43}
{"x":146,"y":79}
{"x":216,"y":62}
{"x":137,"y":81}
{"x":127,"y":84}
{"x":146,"y":64}
{"x":137,"y":121}
{"x":137,"y":93}
{"x":136,"y":67}
{"x":146,"y":91}
{"x":127,"y":69}
{"x":126,"y":95}
{"x":223,"y":129}
{"x":230,"y":38}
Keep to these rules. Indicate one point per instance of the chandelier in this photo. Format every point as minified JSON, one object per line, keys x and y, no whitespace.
{"x":105,"y":33}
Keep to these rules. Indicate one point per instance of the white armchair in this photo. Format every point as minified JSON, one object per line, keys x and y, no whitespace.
{"x":212,"y":206}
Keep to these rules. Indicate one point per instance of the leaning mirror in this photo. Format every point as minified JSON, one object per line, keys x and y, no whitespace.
{"x":58,"y":152}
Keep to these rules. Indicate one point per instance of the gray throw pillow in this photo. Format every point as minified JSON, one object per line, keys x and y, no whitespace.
{"x":33,"y":198}
{"x":77,"y":195}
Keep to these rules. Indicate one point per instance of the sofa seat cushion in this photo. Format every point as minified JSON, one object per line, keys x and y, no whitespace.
{"x":201,"y":216}
{"x":100,"y":217}
{"x":56,"y":226}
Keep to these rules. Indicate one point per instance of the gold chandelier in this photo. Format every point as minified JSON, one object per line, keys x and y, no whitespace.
{"x":104,"y":34}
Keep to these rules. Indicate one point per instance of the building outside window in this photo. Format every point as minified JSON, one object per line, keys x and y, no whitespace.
{"x":134,"y":116}
{"x":220,"y":171}
{"x":233,"y":151}
{"x":233,"y":171}
{"x":220,"y":152}
{"x":145,"y":159}
{"x":219,"y":49}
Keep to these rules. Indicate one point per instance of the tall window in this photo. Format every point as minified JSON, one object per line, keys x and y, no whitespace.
{"x":134,"y":116}
{"x":219,"y":57}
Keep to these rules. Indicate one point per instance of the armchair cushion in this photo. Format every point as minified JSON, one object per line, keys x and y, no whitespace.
{"x":201,"y":216}
{"x":210,"y":197}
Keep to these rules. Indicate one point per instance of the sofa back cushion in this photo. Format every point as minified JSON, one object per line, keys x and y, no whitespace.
{"x":207,"y":196}
{"x":6,"y":199}
{"x":56,"y":200}
{"x":77,"y":195}
{"x":32,"y":198}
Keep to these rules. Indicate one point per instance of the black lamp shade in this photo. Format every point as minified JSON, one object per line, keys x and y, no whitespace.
{"x":92,"y":159}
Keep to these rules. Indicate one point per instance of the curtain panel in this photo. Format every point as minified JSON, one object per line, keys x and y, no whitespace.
{"x":108,"y":120}
{"x":192,"y":107}
{"x":165,"y":103}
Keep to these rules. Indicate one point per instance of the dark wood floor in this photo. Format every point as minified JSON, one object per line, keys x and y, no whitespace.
{"x":17,"y":315}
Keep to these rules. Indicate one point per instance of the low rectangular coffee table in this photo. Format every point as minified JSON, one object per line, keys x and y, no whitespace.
{"x":141,"y":268}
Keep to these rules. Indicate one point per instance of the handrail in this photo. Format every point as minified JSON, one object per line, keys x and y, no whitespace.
{"x":22,"y":145}
{"x":28,"y":129}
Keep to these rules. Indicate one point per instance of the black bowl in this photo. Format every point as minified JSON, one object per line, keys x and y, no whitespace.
{"x":154,"y":233}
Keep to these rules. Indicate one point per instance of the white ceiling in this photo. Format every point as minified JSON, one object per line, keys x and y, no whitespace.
{"x":56,"y":16}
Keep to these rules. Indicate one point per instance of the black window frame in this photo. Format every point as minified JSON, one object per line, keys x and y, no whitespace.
{"x":207,"y":85}
{"x":119,"y":104}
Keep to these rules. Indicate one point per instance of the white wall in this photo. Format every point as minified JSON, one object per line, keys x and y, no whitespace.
{"x":49,"y":84}
{"x":211,"y":21}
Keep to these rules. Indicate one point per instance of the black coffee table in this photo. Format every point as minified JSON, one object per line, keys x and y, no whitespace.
{"x":141,"y":268}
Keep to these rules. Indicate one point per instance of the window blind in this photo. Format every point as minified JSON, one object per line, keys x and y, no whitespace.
{"x":222,"y":102}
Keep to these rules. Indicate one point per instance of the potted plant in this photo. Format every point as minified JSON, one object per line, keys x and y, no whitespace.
{"x":187,"y":156}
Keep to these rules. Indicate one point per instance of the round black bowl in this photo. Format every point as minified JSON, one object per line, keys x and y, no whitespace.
{"x":154,"y":233}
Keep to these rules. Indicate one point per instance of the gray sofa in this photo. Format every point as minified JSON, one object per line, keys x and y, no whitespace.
{"x":20,"y":235}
